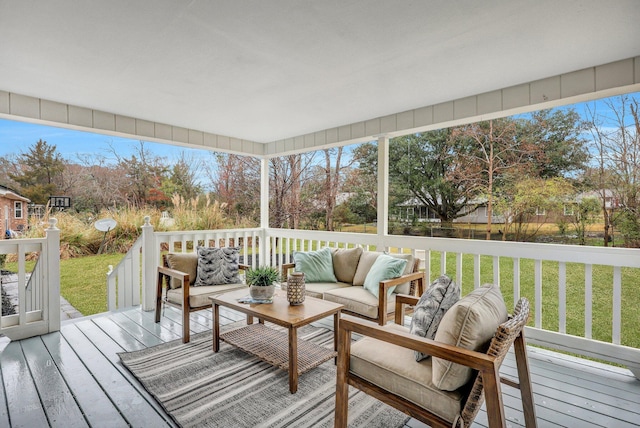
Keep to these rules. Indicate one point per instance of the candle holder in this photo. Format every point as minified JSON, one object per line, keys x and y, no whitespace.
{"x":295,"y":288}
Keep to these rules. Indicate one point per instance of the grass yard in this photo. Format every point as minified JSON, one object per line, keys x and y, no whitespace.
{"x":83,"y":281}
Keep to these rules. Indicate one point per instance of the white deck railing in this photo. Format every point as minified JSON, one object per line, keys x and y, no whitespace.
{"x":38,"y":292}
{"x":553,"y":277}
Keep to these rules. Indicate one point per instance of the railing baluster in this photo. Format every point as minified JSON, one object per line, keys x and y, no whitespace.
{"x":496,"y":270}
{"x":476,"y":271}
{"x":538,"y":292}
{"x":562,"y":297}
{"x":588,"y":300}
{"x":617,"y":304}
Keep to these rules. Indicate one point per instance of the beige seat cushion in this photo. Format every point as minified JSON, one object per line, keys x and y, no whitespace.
{"x":357,"y":299}
{"x":184,"y":262}
{"x":470,"y":324}
{"x":395,"y":369}
{"x":317,"y":289}
{"x":345,"y":262}
{"x":199,"y":296}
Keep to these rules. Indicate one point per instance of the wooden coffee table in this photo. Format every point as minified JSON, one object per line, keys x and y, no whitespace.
{"x":276,"y":347}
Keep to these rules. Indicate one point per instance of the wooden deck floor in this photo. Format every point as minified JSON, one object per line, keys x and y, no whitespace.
{"x":73,"y":378}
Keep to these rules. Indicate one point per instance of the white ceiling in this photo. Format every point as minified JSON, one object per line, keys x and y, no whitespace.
{"x":267,"y":70}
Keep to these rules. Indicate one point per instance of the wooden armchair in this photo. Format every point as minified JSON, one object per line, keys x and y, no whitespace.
{"x":187,"y":297}
{"x":460,"y":406}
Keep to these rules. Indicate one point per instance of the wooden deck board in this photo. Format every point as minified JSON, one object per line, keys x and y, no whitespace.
{"x":75,"y":376}
{"x":98,"y":409}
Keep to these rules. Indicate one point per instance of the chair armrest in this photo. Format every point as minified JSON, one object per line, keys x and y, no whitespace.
{"x":465,"y":357}
{"x":174,"y":273}
{"x":243,"y":267}
{"x":401,"y":300}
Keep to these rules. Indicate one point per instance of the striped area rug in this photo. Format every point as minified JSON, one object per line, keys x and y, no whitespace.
{"x":200,"y":388}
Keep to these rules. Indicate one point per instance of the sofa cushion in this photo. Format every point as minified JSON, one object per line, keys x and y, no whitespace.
{"x":316,"y":265}
{"x":469,"y":324}
{"x":405,"y":287}
{"x":345,"y":262}
{"x":364,"y":265}
{"x":317,"y":289}
{"x":199,"y":296}
{"x":358,"y":300}
{"x":217,"y":266}
{"x":393,"y":368}
{"x":184,"y":262}
{"x":433,"y":304}
{"x":385,"y":267}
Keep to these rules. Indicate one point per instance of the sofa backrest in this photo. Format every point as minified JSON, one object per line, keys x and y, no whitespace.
{"x":369,"y":257}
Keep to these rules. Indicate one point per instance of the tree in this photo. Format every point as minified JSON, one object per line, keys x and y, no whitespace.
{"x":183,"y":178}
{"x":39,"y":171}
{"x":585,"y":212}
{"x":424,"y":166}
{"x":236,"y":184}
{"x":519,"y":200}
{"x":145,"y":173}
{"x":491,"y":151}
{"x":332,"y":181}
{"x":287,"y":178}
{"x":617,"y":142}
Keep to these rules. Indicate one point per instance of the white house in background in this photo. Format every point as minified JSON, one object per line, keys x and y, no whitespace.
{"x":475,"y":212}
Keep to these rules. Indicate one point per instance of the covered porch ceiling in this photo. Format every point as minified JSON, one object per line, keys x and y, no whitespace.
{"x":271,"y":77}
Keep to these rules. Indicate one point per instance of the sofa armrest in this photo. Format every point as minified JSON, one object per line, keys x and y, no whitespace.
{"x":285,"y":270}
{"x":385,"y":285}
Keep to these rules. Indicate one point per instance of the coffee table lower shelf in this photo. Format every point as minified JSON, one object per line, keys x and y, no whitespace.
{"x":272,"y":346}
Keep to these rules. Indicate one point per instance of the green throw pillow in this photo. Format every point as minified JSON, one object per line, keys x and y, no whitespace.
{"x":385,"y":267}
{"x":316,"y":265}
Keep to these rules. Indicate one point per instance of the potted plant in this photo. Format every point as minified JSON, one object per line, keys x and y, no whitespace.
{"x":261,"y":282}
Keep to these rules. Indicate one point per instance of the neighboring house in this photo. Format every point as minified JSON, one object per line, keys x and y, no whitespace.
{"x":475,"y":212}
{"x":13,"y":211}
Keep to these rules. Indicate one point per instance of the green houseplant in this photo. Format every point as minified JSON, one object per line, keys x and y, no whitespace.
{"x":261,"y":281}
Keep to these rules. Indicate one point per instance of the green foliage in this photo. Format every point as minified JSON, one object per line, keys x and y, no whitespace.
{"x":262,"y":276}
{"x":585,"y":212}
{"x":423,"y":166}
{"x":628,"y":224}
{"x":39,"y":172}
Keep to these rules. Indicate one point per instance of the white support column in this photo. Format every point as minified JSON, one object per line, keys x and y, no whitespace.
{"x":53,"y":275}
{"x":265,"y":247}
{"x":149,"y":264}
{"x":383,"y":190}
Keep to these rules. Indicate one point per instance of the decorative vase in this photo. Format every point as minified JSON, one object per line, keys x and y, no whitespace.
{"x":295,"y":288}
{"x":261,"y":292}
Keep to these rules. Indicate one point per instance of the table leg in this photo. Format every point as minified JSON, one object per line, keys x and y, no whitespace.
{"x":216,"y":328}
{"x":293,"y":360}
{"x":336,"y":324}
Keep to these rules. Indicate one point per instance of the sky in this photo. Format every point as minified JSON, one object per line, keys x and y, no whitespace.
{"x":18,"y":137}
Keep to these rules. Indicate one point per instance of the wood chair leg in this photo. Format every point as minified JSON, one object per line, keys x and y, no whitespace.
{"x":158,"y":298}
{"x":493,"y":398}
{"x":342,"y":387}
{"x":185,"y":316}
{"x":524,"y":378}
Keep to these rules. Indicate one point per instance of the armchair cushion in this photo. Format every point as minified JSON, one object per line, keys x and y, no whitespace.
{"x":184,"y":262}
{"x":217,"y":266}
{"x":394,"y":368}
{"x":345,"y":262}
{"x":385,"y":267}
{"x":199,"y":296}
{"x":469,"y":324}
{"x":433,"y":304}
